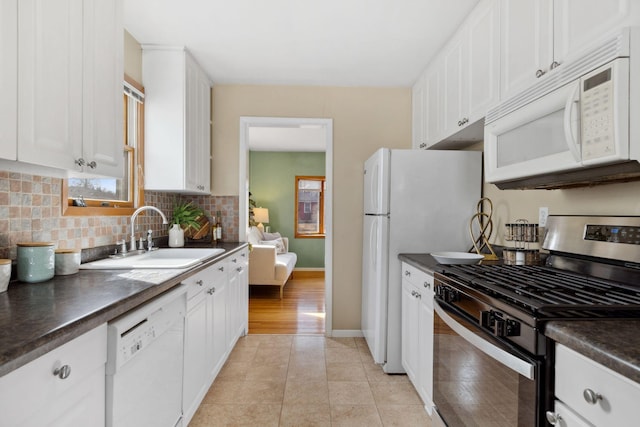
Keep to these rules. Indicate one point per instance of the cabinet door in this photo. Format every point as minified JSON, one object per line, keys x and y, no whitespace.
{"x":527,"y":43}
{"x":483,"y":75}
{"x":232,"y":303}
{"x":578,"y":23}
{"x":410,"y":334}
{"x":243,"y":295}
{"x":432,"y":104}
{"x":418,"y":111}
{"x":197,"y":134}
{"x":217,"y":327}
{"x":103,"y":75}
{"x":195,"y":382}
{"x":8,"y":78}
{"x":50,"y":85}
{"x":454,"y":85}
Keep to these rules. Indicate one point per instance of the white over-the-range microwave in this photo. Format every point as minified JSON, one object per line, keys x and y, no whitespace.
{"x":578,"y":126}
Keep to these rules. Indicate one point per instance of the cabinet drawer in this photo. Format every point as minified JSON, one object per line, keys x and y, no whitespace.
{"x":421,"y":280}
{"x":34,"y":385}
{"x":195,"y":284}
{"x":576,"y":375}
{"x":567,"y":418}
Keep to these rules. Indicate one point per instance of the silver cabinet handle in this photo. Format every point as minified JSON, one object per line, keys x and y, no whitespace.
{"x":221,"y":268}
{"x":591,"y":396}
{"x":62,"y":372}
{"x":540,"y":73}
{"x":92,"y":164}
{"x":554,"y":64}
{"x":212,"y":291}
{"x":553,"y":418}
{"x":427,"y":285}
{"x":423,"y":145}
{"x":79,"y":162}
{"x":199,"y":282}
{"x":418,"y":295}
{"x":239,"y":269}
{"x":234,"y":260}
{"x":407,"y":273}
{"x":413,"y":293}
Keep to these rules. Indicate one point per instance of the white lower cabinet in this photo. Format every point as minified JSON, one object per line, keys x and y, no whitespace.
{"x":65,"y":387}
{"x":417,"y":330}
{"x":590,"y":394}
{"x":217,"y":298}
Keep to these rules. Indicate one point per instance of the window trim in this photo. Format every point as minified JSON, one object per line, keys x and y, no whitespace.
{"x":321,"y":210}
{"x":136,"y":186}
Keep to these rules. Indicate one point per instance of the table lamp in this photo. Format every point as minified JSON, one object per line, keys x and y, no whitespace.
{"x":261,"y":215}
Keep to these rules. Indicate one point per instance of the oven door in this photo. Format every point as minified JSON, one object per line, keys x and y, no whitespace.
{"x":479,"y":380}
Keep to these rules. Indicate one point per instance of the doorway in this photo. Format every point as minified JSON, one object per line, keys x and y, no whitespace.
{"x":323,"y":127}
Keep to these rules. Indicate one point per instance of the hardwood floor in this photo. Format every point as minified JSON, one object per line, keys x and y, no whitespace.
{"x":300,"y":311}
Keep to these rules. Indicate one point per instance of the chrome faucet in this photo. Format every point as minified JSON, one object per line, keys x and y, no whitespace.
{"x":133,"y":222}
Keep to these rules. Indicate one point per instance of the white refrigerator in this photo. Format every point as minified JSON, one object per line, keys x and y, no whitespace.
{"x":415,"y":201}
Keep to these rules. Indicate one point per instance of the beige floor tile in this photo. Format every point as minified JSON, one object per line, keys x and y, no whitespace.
{"x":307,"y":356}
{"x":366,"y":357}
{"x":346,"y":372}
{"x":305,"y":415}
{"x":243,"y":354}
{"x":248,"y":341}
{"x":306,"y":393}
{"x":342,"y":355}
{"x":306,"y":342}
{"x":275,"y":340}
{"x":404,"y":415}
{"x":210,"y":415}
{"x":267,"y":372}
{"x":340,"y":342}
{"x":234,"y":371}
{"x":350,"y":393}
{"x":261,"y":392}
{"x":354,"y":416}
{"x":313,"y":371}
{"x":387,"y":393}
{"x":375,"y":374}
{"x":272,"y":355}
{"x":223,"y":391}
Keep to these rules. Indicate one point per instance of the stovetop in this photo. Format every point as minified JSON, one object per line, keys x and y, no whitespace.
{"x":546,"y":292}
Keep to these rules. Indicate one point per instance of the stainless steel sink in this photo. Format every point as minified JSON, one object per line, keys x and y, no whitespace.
{"x":161,"y":258}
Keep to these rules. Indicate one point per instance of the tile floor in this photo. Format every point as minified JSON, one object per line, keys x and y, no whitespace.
{"x":298,"y":380}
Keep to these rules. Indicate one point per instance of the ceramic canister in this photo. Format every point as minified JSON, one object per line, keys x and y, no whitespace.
{"x":5,"y":274}
{"x":67,"y":261}
{"x":36,"y":261}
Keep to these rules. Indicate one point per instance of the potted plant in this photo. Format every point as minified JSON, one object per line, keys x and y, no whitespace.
{"x":185,"y":216}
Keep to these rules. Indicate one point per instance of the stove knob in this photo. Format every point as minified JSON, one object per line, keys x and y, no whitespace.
{"x":487,"y":319}
{"x":451,"y":295}
{"x":499,"y":327}
{"x":512,"y":328}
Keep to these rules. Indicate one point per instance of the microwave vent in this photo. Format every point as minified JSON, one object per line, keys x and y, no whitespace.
{"x":587,"y":177}
{"x":616,"y":46}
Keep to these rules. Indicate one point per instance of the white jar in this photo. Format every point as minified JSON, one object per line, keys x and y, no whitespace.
{"x":176,"y":236}
{"x":5,"y":274}
{"x":67,"y":261}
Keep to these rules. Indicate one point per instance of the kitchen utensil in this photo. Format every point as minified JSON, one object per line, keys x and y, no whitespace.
{"x":457,"y":257}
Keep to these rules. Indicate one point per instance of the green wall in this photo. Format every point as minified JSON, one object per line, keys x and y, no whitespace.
{"x":272,"y":185}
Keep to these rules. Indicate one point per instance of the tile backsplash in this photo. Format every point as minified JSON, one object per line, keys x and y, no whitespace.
{"x":31,"y":210}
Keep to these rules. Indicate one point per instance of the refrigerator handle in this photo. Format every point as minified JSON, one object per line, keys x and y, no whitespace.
{"x":373,"y":242}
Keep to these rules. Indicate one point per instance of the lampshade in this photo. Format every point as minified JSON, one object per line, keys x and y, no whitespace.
{"x":261,"y":215}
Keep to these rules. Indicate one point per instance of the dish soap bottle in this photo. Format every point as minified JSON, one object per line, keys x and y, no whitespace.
{"x":218,"y":225}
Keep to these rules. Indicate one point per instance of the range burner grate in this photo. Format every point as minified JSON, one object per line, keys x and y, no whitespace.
{"x":549,"y":292}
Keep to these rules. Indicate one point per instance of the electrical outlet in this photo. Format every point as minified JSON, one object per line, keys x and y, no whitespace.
{"x":543,"y":213}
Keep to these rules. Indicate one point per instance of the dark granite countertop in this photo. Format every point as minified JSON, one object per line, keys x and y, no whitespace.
{"x":613,"y":343}
{"x":38,"y":317}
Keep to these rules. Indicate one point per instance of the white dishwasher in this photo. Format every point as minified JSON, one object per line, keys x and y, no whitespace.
{"x":144,"y":364}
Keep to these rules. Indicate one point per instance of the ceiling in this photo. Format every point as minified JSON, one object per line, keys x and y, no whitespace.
{"x":377,"y":43}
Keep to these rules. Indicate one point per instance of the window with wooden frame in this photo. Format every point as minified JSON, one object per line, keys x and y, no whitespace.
{"x":112,"y":196}
{"x":309,"y":208}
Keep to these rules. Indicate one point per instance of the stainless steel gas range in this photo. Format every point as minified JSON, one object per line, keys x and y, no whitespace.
{"x":493,"y":366}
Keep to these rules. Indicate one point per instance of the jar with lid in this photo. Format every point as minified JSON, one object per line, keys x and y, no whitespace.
{"x":36,"y":261}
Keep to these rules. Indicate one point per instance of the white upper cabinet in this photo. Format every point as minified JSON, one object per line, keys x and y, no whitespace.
{"x":70,"y":68}
{"x":8,"y":78}
{"x":540,"y":35}
{"x":177,"y":121}
{"x":418,"y":114}
{"x":462,"y":82}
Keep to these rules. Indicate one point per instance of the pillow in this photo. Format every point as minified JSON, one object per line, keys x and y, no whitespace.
{"x":254,"y":236}
{"x":278,"y":243}
{"x":271,"y":236}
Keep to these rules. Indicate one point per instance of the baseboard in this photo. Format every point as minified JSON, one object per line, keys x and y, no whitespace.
{"x":346,"y":333}
{"x":308,"y":273}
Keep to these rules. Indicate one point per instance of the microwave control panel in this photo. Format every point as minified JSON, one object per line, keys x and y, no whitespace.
{"x":598,"y":129}
{"x":613,"y":234}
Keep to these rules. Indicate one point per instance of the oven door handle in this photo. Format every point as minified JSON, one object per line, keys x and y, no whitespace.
{"x":516,"y":364}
